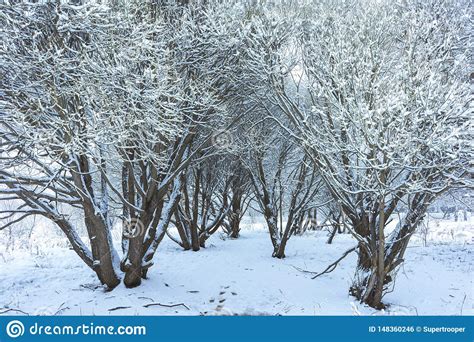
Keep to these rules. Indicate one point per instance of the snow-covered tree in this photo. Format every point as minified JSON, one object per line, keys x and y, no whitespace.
{"x":381,"y":106}
{"x":101,"y":105}
{"x":283,"y":178}
{"x":117,"y":110}
{"x":51,"y":141}
{"x":204,"y":204}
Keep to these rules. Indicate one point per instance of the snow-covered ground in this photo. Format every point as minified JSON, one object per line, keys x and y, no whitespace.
{"x":240,"y":277}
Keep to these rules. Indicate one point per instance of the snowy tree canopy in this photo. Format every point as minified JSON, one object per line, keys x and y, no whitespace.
{"x":185,"y":114}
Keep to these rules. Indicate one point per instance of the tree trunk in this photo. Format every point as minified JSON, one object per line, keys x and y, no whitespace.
{"x":380,"y":255}
{"x":273,"y":230}
{"x":235,"y":227}
{"x":183,"y":235}
{"x":133,"y":272}
{"x":194,"y":223}
{"x":367,"y":285}
{"x":332,"y":234}
{"x":234,"y":218}
{"x":195,"y":245}
{"x":101,"y":249}
{"x":280,"y":249}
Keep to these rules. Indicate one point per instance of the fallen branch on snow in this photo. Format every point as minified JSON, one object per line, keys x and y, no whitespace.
{"x":166,"y":305}
{"x":333,"y":266}
{"x":120,"y":308}
{"x":15,"y":310}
